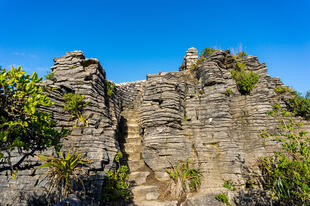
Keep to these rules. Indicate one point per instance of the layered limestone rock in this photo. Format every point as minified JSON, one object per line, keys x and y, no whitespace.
{"x":194,"y":120}
{"x":98,"y":139}
{"x":190,"y":59}
{"x":186,"y":115}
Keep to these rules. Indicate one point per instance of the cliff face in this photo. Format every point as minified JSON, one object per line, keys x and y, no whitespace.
{"x":193,"y":119}
{"x":98,"y":139}
{"x":172,"y":116}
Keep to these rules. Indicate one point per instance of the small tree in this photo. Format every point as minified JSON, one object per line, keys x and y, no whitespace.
{"x":286,"y":173}
{"x":23,"y":125}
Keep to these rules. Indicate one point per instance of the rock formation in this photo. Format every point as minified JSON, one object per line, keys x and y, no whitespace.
{"x":171,"y":116}
{"x":190,"y":59}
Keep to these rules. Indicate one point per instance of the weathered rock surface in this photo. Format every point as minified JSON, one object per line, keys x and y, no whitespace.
{"x":190,"y":59}
{"x":98,"y":139}
{"x":172,"y":116}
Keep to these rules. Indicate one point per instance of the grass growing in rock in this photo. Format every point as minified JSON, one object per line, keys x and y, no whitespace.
{"x":223,"y":198}
{"x":63,"y":170}
{"x":74,"y":104}
{"x":185,"y":179}
{"x":109,"y":86}
{"x":228,"y":185}
{"x":228,"y":92}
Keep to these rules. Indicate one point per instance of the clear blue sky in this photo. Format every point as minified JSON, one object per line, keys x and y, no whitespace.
{"x":133,"y":38}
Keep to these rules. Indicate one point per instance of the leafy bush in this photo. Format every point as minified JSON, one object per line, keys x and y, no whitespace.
{"x":109,"y":87}
{"x":223,"y":198}
{"x":286,"y":173}
{"x":300,"y":106}
{"x":63,"y":171}
{"x":116,"y":185}
{"x":23,"y":125}
{"x":228,"y":92}
{"x":75,"y":104}
{"x":282,"y":90}
{"x":241,"y":66}
{"x":51,"y":76}
{"x":185,"y":179}
{"x":228,"y":185}
{"x":245,"y":80}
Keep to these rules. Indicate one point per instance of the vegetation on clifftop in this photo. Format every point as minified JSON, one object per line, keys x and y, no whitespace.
{"x":205,"y":54}
{"x":245,"y":80}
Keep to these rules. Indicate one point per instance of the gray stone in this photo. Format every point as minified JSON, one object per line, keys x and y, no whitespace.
{"x":190,"y":59}
{"x":138,"y":177}
{"x":152,"y":196}
{"x":72,"y":200}
{"x":170,"y":117}
{"x":157,"y":203}
{"x":162,"y":176}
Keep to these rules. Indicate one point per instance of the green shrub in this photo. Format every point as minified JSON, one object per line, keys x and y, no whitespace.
{"x":205,"y":54}
{"x":109,"y":87}
{"x":283,"y":89}
{"x":51,"y":76}
{"x":245,"y":80}
{"x":116,"y":185}
{"x":23,"y":125}
{"x":185,"y":179}
{"x":300,"y":106}
{"x":223,"y":198}
{"x":74,"y":103}
{"x":63,"y":170}
{"x":241,"y":66}
{"x":286,"y":172}
{"x":228,"y":185}
{"x":228,"y":92}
